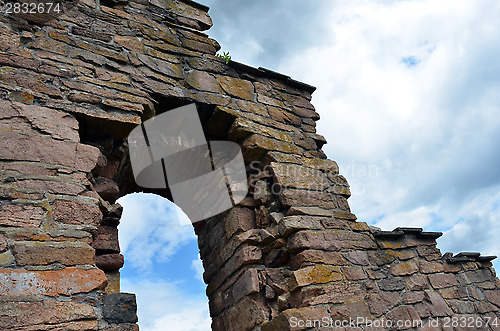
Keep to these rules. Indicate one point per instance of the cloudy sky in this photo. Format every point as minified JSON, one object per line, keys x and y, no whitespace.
{"x":409,"y":98}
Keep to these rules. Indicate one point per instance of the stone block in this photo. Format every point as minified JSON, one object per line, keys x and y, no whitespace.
{"x":329,"y":240}
{"x":54,"y":187}
{"x":439,"y":281}
{"x":335,"y":293}
{"x":381,"y":303}
{"x":106,"y":240}
{"x":296,"y":176}
{"x":304,"y":198}
{"x":291,"y":224}
{"x":248,"y":313}
{"x":357,"y":257}
{"x":58,"y":125}
{"x":351,"y":311}
{"x":317,"y":274}
{"x":202,"y":81}
{"x":307,"y":316}
{"x":407,"y":314}
{"x":16,"y":146}
{"x":23,"y":216}
{"x":391,"y":284}
{"x":433,"y":305}
{"x":44,"y":253}
{"x":113,"y":286}
{"x":68,"y":316}
{"x":354,"y":273}
{"x":404,"y":268}
{"x":71,"y":212}
{"x":119,"y":308}
{"x":67,"y":281}
{"x":417,"y":282}
{"x":255,"y":146}
{"x":239,"y":220}
{"x":315,"y":256}
{"x":109,"y":262}
{"x":431,"y":267}
{"x":236,"y":87}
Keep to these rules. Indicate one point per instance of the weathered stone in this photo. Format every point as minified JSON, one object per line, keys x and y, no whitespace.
{"x":70,"y":212}
{"x":329,"y":240}
{"x":443,"y":280}
{"x":461,"y":306}
{"x":19,"y":147}
{"x":107,"y":189}
{"x":83,"y":97}
{"x":255,"y":146}
{"x":237,"y":87}
{"x":203,"y":81}
{"x":354,"y":273}
{"x":304,"y":319}
{"x":417,"y":282}
{"x":256,"y":312}
{"x":55,"y":187}
{"x":239,"y":220}
{"x":357,"y":257}
{"x":433,"y":305}
{"x":67,"y":281}
{"x":380,"y":303}
{"x":317,"y":274}
{"x":407,"y":315}
{"x":3,"y":243}
{"x":55,"y":123}
{"x":354,"y":311}
{"x":292,"y":197}
{"x":161,"y":66}
{"x":430,"y":267}
{"x":404,"y":268}
{"x":291,"y":224}
{"x":382,"y":257}
{"x":109,"y":262}
{"x":295,"y":176}
{"x":130,"y":43}
{"x":283,"y":116}
{"x":21,"y":216}
{"x":113,"y":278}
{"x":335,"y":292}
{"x":391,"y":284}
{"x":7,"y":260}
{"x":413,"y":297}
{"x":43,"y":253}
{"x":39,"y":315}
{"x":106,"y":240}
{"x":248,"y":283}
{"x":119,"y":308}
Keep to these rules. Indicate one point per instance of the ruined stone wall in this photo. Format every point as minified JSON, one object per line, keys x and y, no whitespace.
{"x":72,"y":88}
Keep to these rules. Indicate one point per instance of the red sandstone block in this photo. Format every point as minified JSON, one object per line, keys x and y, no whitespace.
{"x":21,"y":216}
{"x":66,"y":316}
{"x":53,"y":283}
{"x":43,"y":253}
{"x":70,"y":212}
{"x":106,"y":239}
{"x":19,"y":147}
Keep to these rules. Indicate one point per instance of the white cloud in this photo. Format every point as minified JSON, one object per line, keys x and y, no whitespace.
{"x":197,"y":266}
{"x":150,"y":230}
{"x":164,"y":306}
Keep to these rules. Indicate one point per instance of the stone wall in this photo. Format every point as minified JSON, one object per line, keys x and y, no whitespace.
{"x":72,"y":88}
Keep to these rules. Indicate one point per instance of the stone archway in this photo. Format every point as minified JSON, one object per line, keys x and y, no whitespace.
{"x":290,"y":254}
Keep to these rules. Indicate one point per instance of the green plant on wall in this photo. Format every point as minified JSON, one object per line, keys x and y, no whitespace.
{"x":226,"y":56}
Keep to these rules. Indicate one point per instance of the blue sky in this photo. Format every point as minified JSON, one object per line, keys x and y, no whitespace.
{"x":409,"y":98}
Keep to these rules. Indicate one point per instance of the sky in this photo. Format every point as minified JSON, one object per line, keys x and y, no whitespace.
{"x":409,"y":98}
